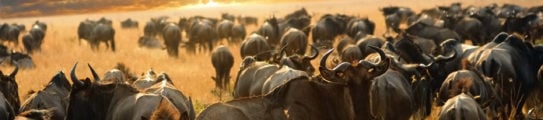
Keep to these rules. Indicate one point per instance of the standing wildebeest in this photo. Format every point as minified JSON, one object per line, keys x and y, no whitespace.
{"x":327,"y":28}
{"x":238,"y":33}
{"x":491,"y":23}
{"x":85,"y":29}
{"x":222,"y":61}
{"x":466,"y":81}
{"x":254,"y":45}
{"x":224,"y":29}
{"x":394,"y":16}
{"x":102,"y":33}
{"x":294,"y":41}
{"x":41,"y":25}
{"x":202,"y":32}
{"x":9,"y":33}
{"x":33,"y":40}
{"x":52,"y":97}
{"x":172,"y":38}
{"x":512,"y":65}
{"x":270,"y":31}
{"x":166,"y":88}
{"x":437,"y":34}
{"x":129,"y":23}
{"x":107,"y":100}
{"x":461,"y":107}
{"x":9,"y":87}
{"x":360,"y":27}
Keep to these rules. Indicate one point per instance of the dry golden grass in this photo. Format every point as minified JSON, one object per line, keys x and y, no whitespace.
{"x":191,"y":73}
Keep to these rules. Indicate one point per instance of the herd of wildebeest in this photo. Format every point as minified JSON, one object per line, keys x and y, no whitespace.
{"x":421,"y":61}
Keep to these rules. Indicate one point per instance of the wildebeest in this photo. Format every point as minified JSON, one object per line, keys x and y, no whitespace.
{"x":529,"y":25}
{"x":166,"y":88}
{"x":389,"y":92}
{"x":129,"y":23}
{"x":270,"y":31}
{"x":85,"y":29}
{"x":461,"y":107}
{"x":360,"y":27}
{"x":7,"y":112}
{"x":395,"y":15}
{"x":224,"y":29}
{"x":512,"y":66}
{"x":294,"y":41}
{"x":108,"y":100}
{"x":467,"y":28}
{"x":10,"y":88}
{"x":9,"y":33}
{"x":33,"y":40}
{"x":53,"y":97}
{"x":431,"y":32}
{"x":149,"y":42}
{"x":238,"y":33}
{"x":102,"y":33}
{"x":172,"y":38}
{"x":202,"y":32}
{"x":370,"y":40}
{"x":491,"y":23}
{"x":22,"y":60}
{"x":469,"y":82}
{"x":252,"y":108}
{"x":35,"y":114}
{"x":222,"y":60}
{"x":327,"y":28}
{"x":255,"y":44}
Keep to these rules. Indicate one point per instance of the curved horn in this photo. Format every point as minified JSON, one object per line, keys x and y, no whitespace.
{"x":369,"y":64}
{"x":75,"y":81}
{"x":315,"y":53}
{"x":442,"y":58}
{"x":324,"y":57}
{"x":96,"y":77}
{"x":12,"y":75}
{"x":447,"y":42}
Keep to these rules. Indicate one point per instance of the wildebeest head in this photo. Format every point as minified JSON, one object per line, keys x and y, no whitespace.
{"x":89,"y":100}
{"x":301,"y":62}
{"x":8,"y":86}
{"x":363,"y":70}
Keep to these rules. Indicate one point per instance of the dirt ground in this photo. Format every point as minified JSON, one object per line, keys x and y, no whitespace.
{"x":190,"y":73}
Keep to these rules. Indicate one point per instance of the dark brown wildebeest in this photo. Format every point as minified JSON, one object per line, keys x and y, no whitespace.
{"x":270,"y":31}
{"x":9,"y":33}
{"x":85,"y":29}
{"x":6,"y":110}
{"x":327,"y":28}
{"x":254,"y":45}
{"x":461,"y":107}
{"x":360,"y":27}
{"x":294,"y":41}
{"x":10,"y":88}
{"x":129,"y":23}
{"x":222,"y":60}
{"x":389,"y":92}
{"x":396,"y":15}
{"x":52,"y":97}
{"x":40,"y":24}
{"x":238,"y":33}
{"x":437,"y":34}
{"x":172,"y":38}
{"x":370,"y":40}
{"x":224,"y":29}
{"x":253,"y":108}
{"x":469,"y":82}
{"x":165,"y":87}
{"x":35,"y":114}
{"x":108,"y":100}
{"x":33,"y":40}
{"x":102,"y":33}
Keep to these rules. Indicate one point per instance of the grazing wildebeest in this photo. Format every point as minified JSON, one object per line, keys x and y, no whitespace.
{"x":222,"y":60}
{"x":461,"y":107}
{"x":108,"y":100}
{"x":254,"y":45}
{"x":53,"y":97}
{"x":102,"y":33}
{"x":85,"y":28}
{"x":294,"y":41}
{"x":10,"y":88}
{"x":149,"y":42}
{"x":172,"y":38}
{"x":166,"y":88}
{"x":129,"y":23}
